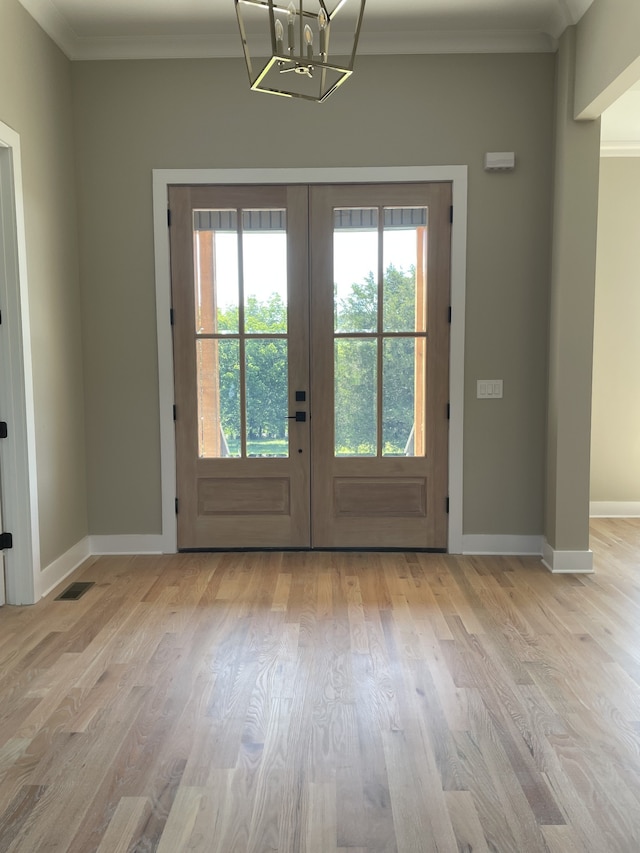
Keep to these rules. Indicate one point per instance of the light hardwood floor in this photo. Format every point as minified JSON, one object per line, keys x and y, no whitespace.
{"x":324,"y":702}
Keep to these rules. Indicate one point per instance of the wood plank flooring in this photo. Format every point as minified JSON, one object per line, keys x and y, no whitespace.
{"x":327,"y":703}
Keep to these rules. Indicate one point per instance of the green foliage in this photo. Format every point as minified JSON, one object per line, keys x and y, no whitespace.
{"x":268,"y":447}
{"x":266,"y":372}
{"x":359,"y":311}
{"x":399,"y":306}
{"x":356,"y":371}
{"x":356,"y":366}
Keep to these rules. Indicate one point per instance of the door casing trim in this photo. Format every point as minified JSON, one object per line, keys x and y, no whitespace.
{"x":163,"y":178}
{"x":19,"y":477}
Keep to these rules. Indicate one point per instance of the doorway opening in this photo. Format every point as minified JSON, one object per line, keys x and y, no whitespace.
{"x":163,"y":179}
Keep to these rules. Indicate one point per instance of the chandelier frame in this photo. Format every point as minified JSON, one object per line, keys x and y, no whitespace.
{"x":329,"y":75}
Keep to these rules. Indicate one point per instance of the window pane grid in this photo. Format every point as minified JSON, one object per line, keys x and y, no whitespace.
{"x":241,"y":332}
{"x":356,"y":396}
{"x":218,"y":398}
{"x":385,"y":400}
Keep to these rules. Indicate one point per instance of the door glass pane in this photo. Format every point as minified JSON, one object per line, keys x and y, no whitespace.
{"x":264,"y":261}
{"x":403,"y":388}
{"x":355,"y":396}
{"x":218,"y":366}
{"x":215,"y":246}
{"x":355,"y":269}
{"x":404,"y":264}
{"x":267,"y":383}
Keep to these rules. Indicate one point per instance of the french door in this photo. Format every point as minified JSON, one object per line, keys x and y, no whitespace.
{"x":311,"y":353}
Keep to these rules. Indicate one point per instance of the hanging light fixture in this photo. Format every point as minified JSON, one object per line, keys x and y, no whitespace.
{"x":287,"y":47}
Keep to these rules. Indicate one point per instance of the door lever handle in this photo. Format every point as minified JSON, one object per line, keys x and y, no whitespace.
{"x":301,"y":417}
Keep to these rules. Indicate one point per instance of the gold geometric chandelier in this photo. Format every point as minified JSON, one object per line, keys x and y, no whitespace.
{"x":305,"y":49}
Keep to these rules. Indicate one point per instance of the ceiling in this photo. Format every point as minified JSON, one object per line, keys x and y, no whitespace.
{"x":145,"y":29}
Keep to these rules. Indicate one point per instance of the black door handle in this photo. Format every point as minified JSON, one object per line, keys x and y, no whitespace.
{"x":301,"y":417}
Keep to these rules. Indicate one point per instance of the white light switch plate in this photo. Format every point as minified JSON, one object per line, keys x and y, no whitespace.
{"x":489,"y":389}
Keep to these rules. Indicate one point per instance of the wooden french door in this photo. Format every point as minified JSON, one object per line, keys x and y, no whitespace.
{"x":239,"y":273}
{"x":380,"y":367}
{"x":311,"y":351}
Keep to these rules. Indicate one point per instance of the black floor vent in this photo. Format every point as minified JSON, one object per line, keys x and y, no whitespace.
{"x":74,"y":591}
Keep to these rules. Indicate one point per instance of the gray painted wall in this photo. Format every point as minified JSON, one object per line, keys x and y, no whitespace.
{"x":122,"y":119}
{"x":132,"y":117}
{"x":577,"y":147}
{"x":36,"y":101}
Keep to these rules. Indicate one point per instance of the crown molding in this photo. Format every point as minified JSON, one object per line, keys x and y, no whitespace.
{"x":53,"y":23}
{"x":372,"y":44}
{"x":575,"y":8}
{"x":227,"y":45}
{"x":560,"y":17}
{"x":456,"y":41}
{"x":209,"y":46}
{"x":566,"y":13}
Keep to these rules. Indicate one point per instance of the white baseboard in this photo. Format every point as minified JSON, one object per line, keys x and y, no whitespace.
{"x":578,"y":562}
{"x":90,"y":546}
{"x":62,"y":567}
{"x":481,"y":543}
{"x":567,"y":562}
{"x":133,"y":543}
{"x":614,"y":509}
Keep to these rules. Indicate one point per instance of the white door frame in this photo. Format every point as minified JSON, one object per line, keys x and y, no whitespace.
{"x":18,"y":450}
{"x":3,"y":596}
{"x":163,"y":178}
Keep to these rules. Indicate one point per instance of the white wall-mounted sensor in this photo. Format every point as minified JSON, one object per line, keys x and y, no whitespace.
{"x":499,"y":161}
